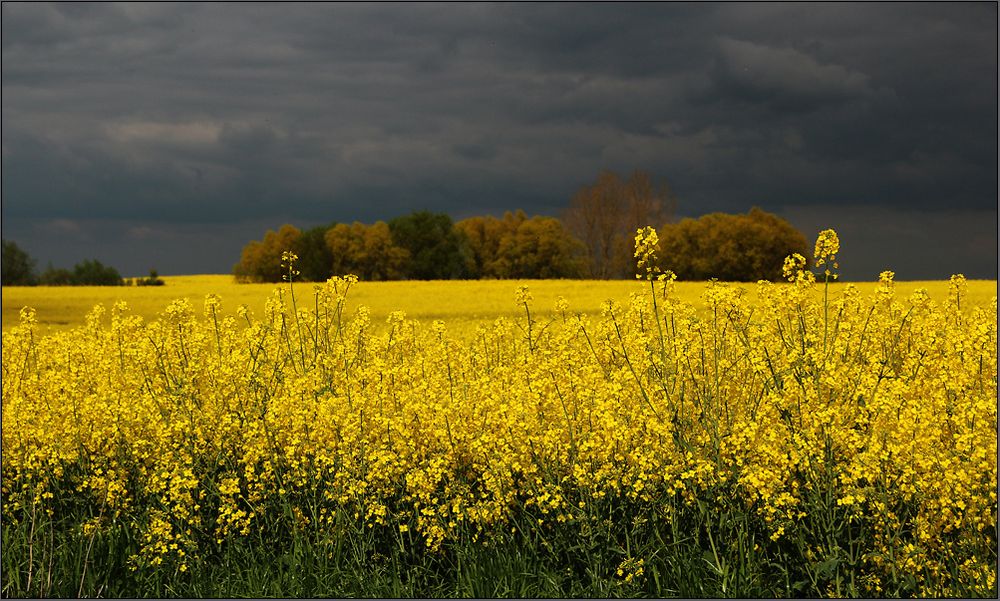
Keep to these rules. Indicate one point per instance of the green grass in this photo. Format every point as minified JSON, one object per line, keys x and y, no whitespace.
{"x":575,"y":559}
{"x":714,"y":548}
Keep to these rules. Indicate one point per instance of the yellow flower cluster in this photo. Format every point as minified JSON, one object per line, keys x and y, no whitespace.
{"x":630,"y":569}
{"x":825,"y":252}
{"x":200,"y":423}
{"x":646,"y":246}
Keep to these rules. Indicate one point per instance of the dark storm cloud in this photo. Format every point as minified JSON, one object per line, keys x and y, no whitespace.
{"x":180,"y":119}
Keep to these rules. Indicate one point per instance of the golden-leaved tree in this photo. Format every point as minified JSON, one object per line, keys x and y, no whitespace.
{"x":742,"y":248}
{"x":260,"y":260}
{"x":521,"y":247}
{"x":366,"y":251}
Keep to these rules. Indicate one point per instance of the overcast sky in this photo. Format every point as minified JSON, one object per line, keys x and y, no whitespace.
{"x":168,"y":135}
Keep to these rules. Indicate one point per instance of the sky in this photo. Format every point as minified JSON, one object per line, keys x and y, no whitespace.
{"x":166,"y":136}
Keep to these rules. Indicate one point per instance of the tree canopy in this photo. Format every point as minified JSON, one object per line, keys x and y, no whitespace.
{"x":594,"y":239}
{"x":367,"y":251}
{"x":260,"y":260}
{"x":94,"y":273}
{"x":741,"y":248}
{"x":605,"y":215}
{"x":519,"y":247}
{"x":315,"y":259}
{"x":436,"y":251}
{"x":18,"y":268}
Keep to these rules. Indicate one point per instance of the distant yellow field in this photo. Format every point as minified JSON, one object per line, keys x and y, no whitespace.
{"x":461,"y":304}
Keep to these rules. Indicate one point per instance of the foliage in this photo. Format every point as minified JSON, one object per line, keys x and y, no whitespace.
{"x":519,"y":247}
{"x":18,"y":267}
{"x":801,"y":445}
{"x":315,"y":257}
{"x":153,"y":279}
{"x":743,"y":248}
{"x":366,"y":250}
{"x":422,"y":245}
{"x":436,"y":250}
{"x":604,"y":217}
{"x":94,"y":273}
{"x":593,"y":240}
{"x":260,"y":261}
{"x":56,"y":276}
{"x":18,"y":270}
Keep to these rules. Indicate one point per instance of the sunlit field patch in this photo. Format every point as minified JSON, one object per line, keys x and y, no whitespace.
{"x":346,"y":439}
{"x":462,"y":304}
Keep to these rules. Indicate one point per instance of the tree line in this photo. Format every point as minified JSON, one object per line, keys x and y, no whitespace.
{"x":18,"y":269}
{"x":594,"y":238}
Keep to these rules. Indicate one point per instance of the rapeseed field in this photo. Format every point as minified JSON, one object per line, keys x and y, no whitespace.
{"x":463,"y":304}
{"x":774,"y":440}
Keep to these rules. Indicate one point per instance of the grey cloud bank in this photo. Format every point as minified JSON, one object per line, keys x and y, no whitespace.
{"x":168,"y":135}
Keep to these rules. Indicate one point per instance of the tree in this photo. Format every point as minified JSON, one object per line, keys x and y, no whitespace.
{"x":315,"y":259}
{"x":367,"y":251}
{"x":261,"y":261}
{"x":94,"y":273}
{"x":344,"y":243}
{"x":382,"y":259}
{"x":153,"y":279}
{"x":519,"y":247}
{"x":743,"y":248}
{"x":481,"y":235}
{"x":605,"y":216}
{"x":53,"y":276}
{"x":541,"y":248}
{"x":18,"y":268}
{"x":436,"y":249}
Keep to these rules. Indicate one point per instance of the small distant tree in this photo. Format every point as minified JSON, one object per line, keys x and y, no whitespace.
{"x":742,"y":248}
{"x":152,"y":280}
{"x":18,"y":268}
{"x":94,"y":273}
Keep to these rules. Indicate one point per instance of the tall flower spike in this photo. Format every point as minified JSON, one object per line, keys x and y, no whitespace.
{"x":522,"y":296}
{"x":288,"y":259}
{"x":825,"y":253}
{"x":646,"y":243}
